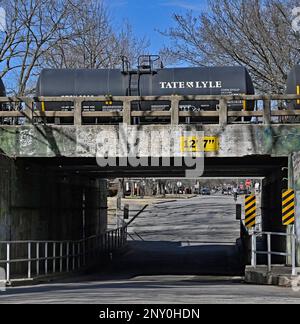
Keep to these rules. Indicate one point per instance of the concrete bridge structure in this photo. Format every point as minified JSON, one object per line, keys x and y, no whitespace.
{"x":49,"y":177}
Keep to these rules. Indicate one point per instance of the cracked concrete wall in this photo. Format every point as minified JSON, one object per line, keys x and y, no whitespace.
{"x":81,"y":141}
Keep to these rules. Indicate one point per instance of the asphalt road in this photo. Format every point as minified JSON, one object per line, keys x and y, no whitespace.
{"x":176,"y":267}
{"x":208,"y":219}
{"x":192,"y":236}
{"x":151,"y":290}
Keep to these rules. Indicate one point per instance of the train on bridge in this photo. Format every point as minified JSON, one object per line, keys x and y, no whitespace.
{"x":149,"y":79}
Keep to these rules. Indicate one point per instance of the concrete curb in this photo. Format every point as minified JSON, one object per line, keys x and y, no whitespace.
{"x":280,"y":277}
{"x":165,"y":202}
{"x":44,"y":279}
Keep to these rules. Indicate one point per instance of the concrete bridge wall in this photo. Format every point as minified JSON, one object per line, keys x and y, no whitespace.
{"x":41,"y":141}
{"x":37,"y":203}
{"x":80,"y":141}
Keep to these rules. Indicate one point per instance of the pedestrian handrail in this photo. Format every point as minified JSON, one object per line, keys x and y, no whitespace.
{"x":50,"y":257}
{"x":131,"y":235}
{"x":274,"y":109}
{"x":269,"y":252}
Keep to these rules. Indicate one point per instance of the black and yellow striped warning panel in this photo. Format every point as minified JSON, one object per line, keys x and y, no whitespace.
{"x":250,"y":211}
{"x":288,"y":207}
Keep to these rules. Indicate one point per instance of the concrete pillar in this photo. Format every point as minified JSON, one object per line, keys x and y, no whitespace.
{"x":296,"y":185}
{"x":78,"y":112}
{"x":175,"y":111}
{"x":127,"y":112}
{"x":271,"y":211}
{"x":96,"y":208}
{"x":5,"y":208}
{"x":223,"y":113}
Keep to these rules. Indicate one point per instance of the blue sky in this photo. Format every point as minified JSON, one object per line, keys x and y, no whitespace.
{"x":146,"y":16}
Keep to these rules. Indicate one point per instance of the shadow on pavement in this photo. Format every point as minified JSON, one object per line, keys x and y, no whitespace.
{"x":174,"y":258}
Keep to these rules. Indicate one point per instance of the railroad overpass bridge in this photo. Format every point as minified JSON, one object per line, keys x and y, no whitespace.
{"x":50,"y":176}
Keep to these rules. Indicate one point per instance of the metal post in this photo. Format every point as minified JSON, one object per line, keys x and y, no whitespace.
{"x":290,"y":229}
{"x":73,"y":256}
{"x":253,"y":246}
{"x":107,"y":242}
{"x":8,"y":262}
{"x":37,"y":259}
{"x":269,"y":254}
{"x":294,"y":238}
{"x":98,"y":245}
{"x":46,"y":258}
{"x":29,"y":260}
{"x":61,"y":257}
{"x":78,"y":255}
{"x":54,"y":258}
{"x":68,"y":251}
{"x":84,"y":253}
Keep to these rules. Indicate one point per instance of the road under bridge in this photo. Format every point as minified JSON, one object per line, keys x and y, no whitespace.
{"x":50,"y":176}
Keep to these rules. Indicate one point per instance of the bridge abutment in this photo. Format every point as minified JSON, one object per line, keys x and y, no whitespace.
{"x":272,"y":211}
{"x":38,"y":203}
{"x":296,"y":185}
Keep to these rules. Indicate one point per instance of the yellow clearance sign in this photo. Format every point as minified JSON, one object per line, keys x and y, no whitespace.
{"x":288,"y":207}
{"x":199,"y":144}
{"x":250,"y":211}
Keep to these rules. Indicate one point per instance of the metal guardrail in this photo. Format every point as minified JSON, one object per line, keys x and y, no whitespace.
{"x":50,"y":257}
{"x":269,"y":251}
{"x":29,"y":108}
{"x":131,"y":236}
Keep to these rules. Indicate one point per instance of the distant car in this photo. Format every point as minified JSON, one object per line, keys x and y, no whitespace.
{"x":242,"y":192}
{"x":226,"y":192}
{"x":205,"y":192}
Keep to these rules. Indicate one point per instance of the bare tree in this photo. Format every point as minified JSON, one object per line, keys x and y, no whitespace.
{"x":96,"y":44}
{"x":34,"y":26}
{"x":60,"y":34}
{"x":255,"y":33}
{"x":10,"y":41}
